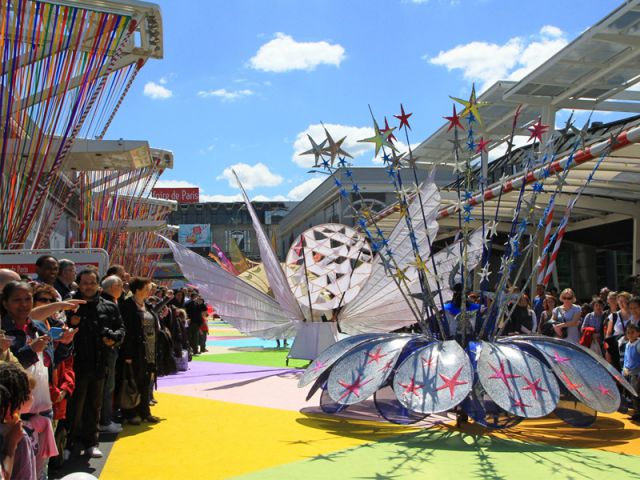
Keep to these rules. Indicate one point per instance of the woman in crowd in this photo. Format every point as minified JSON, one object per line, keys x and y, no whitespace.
{"x":567,"y":317}
{"x":35,"y":350}
{"x":178,"y":299}
{"x":139,"y":347}
{"x":544,"y":322}
{"x":617,"y":323}
{"x":61,"y":375}
{"x":523,"y":319}
{"x":592,"y":325}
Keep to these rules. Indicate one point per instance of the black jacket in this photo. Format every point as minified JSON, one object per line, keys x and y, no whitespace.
{"x":99,"y":318}
{"x":133,"y":347}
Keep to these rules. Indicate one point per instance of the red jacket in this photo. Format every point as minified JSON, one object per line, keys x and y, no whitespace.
{"x":63,"y":378}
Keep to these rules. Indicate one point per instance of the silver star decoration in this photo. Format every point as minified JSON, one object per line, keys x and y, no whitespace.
{"x":484,"y":273}
{"x":493,"y":228}
{"x":449,"y":249}
{"x":504,"y":263}
{"x":334,"y":149}
{"x":316,"y":150}
{"x":459,"y":167}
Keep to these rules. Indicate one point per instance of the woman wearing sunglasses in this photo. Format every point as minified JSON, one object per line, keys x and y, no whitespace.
{"x":567,"y":317}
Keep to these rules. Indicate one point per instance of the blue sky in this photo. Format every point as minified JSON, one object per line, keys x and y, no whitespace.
{"x":243,"y":80}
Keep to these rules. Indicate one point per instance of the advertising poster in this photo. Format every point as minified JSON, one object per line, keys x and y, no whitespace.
{"x":195,"y":235}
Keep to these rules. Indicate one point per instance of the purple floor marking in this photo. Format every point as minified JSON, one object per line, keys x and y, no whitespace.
{"x":203,"y":372}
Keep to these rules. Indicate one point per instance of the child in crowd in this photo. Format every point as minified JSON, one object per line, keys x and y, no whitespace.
{"x":19,"y":456}
{"x":631,"y":370}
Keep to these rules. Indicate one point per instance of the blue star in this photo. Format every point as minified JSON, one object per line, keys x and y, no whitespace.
{"x":379,"y":232}
{"x":467,"y":195}
{"x":362,"y":223}
{"x":342,"y":162}
{"x":375,"y":246}
{"x":337,"y":182}
{"x":471,"y":118}
{"x":325,"y":164}
{"x":389,"y":253}
{"x":467,"y":218}
{"x":385,"y":242}
{"x":348,"y":173}
{"x":391,"y":172}
{"x":467,"y":208}
{"x":344,"y":193}
{"x":538,"y":187}
{"x":355,"y":188}
{"x":523,"y":224}
{"x":471,"y":145}
{"x":546,"y":172}
{"x":386,"y":159}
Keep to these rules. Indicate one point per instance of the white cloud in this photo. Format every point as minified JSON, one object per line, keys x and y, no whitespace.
{"x":489,"y":62}
{"x":551,"y":31}
{"x":299,"y":192}
{"x":265,"y":198}
{"x":156,"y":91}
{"x":226,"y":95}
{"x":251,"y":176}
{"x":283,"y":54}
{"x":221,"y":198}
{"x":174,"y":184}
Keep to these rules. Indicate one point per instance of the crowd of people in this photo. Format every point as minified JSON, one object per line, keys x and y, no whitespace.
{"x":608,"y":324}
{"x":80,"y":354}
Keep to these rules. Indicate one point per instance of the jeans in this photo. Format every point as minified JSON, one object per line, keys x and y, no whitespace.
{"x":83,"y":410}
{"x":106,"y":416}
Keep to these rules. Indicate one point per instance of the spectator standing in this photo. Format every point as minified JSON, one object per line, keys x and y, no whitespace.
{"x":47,"y":269}
{"x":139,"y":347}
{"x":194,"y":311}
{"x":594,"y":321}
{"x":631,"y":365}
{"x":538,"y":301}
{"x":545,"y":322}
{"x":65,"y":279}
{"x":99,"y":329}
{"x":112,"y":288}
{"x":567,"y":317}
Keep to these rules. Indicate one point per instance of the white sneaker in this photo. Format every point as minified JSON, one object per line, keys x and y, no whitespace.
{"x":111,"y":428}
{"x":93,"y":452}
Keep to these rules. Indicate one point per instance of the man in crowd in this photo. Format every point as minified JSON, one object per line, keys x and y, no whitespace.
{"x":47,"y":269}
{"x":65,"y":279}
{"x":100,"y":328}
{"x":538,"y":300}
{"x":194,"y":309}
{"x":111,"y":291}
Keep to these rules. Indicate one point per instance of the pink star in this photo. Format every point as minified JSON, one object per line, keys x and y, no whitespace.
{"x":427,"y":363}
{"x":352,"y":388}
{"x":537,"y":130}
{"x":375,"y":357}
{"x":318,"y":365}
{"x":560,"y":359}
{"x":572,"y":386}
{"x":412,"y":387}
{"x":500,"y":374}
{"x":534,"y":387}
{"x":604,"y":391}
{"x":518,"y":403}
{"x":451,"y":383}
{"x":387,"y":366}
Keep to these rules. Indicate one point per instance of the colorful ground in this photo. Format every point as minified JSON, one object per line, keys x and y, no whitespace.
{"x":238,"y":413}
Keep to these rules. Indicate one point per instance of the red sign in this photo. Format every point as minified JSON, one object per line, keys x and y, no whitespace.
{"x":180,"y":195}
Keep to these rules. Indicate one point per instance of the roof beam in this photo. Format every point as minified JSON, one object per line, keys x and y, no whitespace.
{"x":595,"y":222}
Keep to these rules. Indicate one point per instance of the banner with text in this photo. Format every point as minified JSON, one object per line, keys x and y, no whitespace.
{"x":180,"y":195}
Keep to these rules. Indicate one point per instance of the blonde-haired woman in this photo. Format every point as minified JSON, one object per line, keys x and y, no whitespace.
{"x":567,"y":317}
